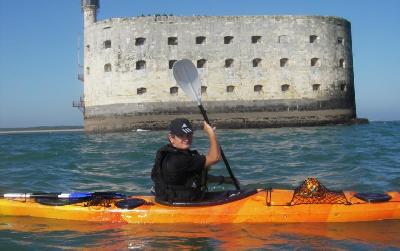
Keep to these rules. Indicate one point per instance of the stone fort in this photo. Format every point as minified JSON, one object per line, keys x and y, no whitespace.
{"x":256,"y":71}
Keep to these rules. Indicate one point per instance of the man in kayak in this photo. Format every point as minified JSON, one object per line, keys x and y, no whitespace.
{"x":179,"y":174}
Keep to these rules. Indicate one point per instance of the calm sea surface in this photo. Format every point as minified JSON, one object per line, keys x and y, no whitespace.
{"x":361,"y":158}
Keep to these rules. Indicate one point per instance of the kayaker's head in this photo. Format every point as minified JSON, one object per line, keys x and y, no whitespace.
{"x":180,"y":133}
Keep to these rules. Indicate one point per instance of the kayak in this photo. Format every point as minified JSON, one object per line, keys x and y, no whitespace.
{"x":239,"y":206}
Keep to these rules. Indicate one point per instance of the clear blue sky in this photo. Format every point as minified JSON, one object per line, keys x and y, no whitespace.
{"x":38,"y":50}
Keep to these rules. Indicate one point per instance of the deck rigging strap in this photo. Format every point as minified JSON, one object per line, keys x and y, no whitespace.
{"x":104,"y":199}
{"x":311,"y":191}
{"x":268,"y":196}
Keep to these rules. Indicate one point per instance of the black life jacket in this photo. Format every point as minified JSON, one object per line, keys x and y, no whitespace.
{"x":192,"y":190}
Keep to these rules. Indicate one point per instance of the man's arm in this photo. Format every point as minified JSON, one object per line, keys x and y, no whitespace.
{"x":213,"y":155}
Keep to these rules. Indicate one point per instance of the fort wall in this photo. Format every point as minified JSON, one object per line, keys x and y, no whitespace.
{"x":256,"y":71}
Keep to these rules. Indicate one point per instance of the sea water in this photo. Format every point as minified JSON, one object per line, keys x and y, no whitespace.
{"x":364,"y":158}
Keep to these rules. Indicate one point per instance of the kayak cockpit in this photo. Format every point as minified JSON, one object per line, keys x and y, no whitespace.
{"x":212,"y":198}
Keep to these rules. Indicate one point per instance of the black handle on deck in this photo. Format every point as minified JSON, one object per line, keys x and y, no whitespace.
{"x":235,"y":182}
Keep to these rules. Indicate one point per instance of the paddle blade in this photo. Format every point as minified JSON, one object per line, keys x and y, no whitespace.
{"x":186,"y":76}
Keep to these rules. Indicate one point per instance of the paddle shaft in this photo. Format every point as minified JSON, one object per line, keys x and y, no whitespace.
{"x":228,"y":167}
{"x":74,"y":195}
{"x":44,"y":195}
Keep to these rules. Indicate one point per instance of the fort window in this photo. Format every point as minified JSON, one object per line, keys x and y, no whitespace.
{"x":315,"y":62}
{"x":284,"y":62}
{"x":316,"y":87}
{"x":87,"y":70}
{"x":140,"y":41}
{"x":256,"y":39}
{"x":141,"y":90}
{"x":172,"y":41}
{"x":140,"y":65}
{"x":228,"y":40}
{"x":313,"y":39}
{"x":200,"y":40}
{"x":171,"y":64}
{"x":340,"y":40}
{"x":285,"y":87}
{"x":341,"y":63}
{"x":173,"y":90}
{"x":230,"y":88}
{"x":343,"y":87}
{"x":283,"y":39}
{"x":107,"y":67}
{"x":257,"y":62}
{"x":203,"y":89}
{"x":228,"y":63}
{"x":258,"y":88}
{"x":88,"y":47}
{"x":107,"y":44}
{"x":201,"y":63}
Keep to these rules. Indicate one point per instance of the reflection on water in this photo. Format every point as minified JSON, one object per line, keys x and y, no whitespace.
{"x":62,"y":234}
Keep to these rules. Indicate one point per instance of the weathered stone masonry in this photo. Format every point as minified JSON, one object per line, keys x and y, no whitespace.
{"x":256,"y":71}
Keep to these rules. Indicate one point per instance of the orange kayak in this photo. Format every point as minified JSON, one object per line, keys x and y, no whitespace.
{"x":252,"y":206}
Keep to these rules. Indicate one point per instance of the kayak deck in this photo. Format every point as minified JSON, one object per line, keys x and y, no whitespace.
{"x":259,"y":207}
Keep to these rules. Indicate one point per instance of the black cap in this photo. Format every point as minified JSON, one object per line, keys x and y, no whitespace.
{"x":180,"y":127}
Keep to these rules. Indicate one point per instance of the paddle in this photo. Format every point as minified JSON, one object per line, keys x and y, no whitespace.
{"x":74,"y":195}
{"x":187,"y":77}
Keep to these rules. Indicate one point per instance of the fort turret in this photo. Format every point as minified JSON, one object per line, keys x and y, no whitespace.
{"x":89,"y":8}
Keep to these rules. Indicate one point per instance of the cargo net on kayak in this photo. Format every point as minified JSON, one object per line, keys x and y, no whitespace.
{"x":311,"y":191}
{"x":103,"y":199}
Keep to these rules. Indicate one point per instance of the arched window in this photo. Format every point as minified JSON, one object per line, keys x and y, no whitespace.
{"x":257,"y":62}
{"x":228,"y":39}
{"x":171,"y":63}
{"x":200,"y":40}
{"x":201,"y":63}
{"x":285,"y":87}
{"x":284,"y":62}
{"x":140,"y":65}
{"x":203,"y":89}
{"x":140,"y":41}
{"x":283,"y":39}
{"x":173,"y":90}
{"x":313,"y":38}
{"x":256,"y":39}
{"x":340,"y":40}
{"x":107,"y":67}
{"x":258,"y":88}
{"x":172,"y":41}
{"x":315,"y":62}
{"x":341,"y":63}
{"x":141,"y":90}
{"x":230,"y":88}
{"x":87,"y":70}
{"x":107,"y":44}
{"x":228,"y":63}
{"x":316,"y":87}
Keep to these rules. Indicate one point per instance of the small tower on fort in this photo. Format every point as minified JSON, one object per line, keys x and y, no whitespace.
{"x":89,"y":8}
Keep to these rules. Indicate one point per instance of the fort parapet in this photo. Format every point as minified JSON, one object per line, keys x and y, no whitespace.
{"x":256,"y":71}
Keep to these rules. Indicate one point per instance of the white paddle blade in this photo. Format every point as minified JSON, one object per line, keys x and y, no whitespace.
{"x":186,"y":76}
